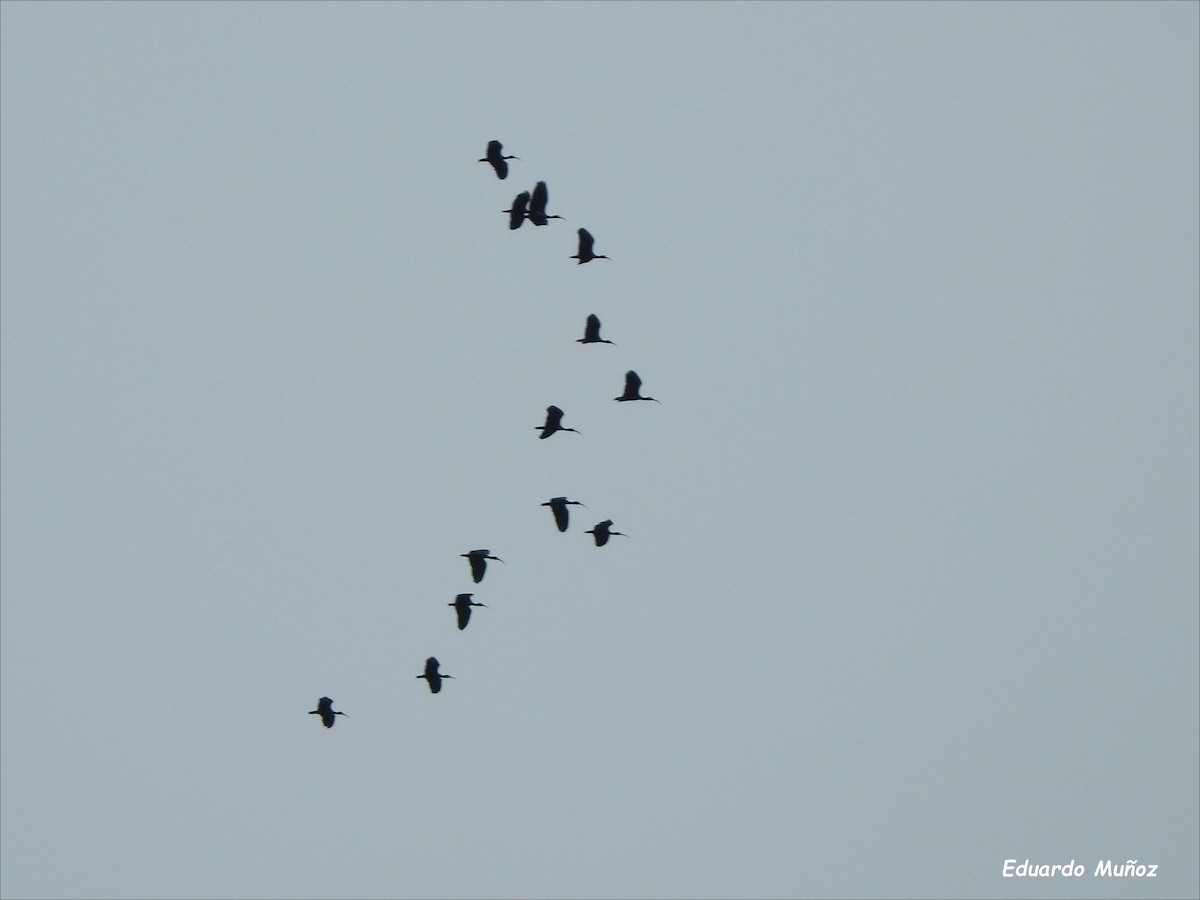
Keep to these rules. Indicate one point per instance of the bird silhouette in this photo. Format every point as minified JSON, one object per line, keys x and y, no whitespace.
{"x":325,"y":711}
{"x":553,"y":423}
{"x":433,"y":676}
{"x":558,"y":506}
{"x":603,"y":531}
{"x":495,"y":157}
{"x":462,"y":605}
{"x":516,"y":214}
{"x":591,"y":332}
{"x":478,"y":560}
{"x":537,"y":205}
{"x":585,"y":253}
{"x":632,"y":385}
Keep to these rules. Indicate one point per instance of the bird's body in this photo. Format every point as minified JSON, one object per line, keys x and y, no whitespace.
{"x":633,"y":384}
{"x":433,"y":676}
{"x":462,"y":605}
{"x":495,"y":156}
{"x":553,"y":423}
{"x":325,"y":711}
{"x":478,"y":560}
{"x":537,"y":205}
{"x":558,"y":506}
{"x":585,"y":254}
{"x":602,"y":532}
{"x":516,"y":213}
{"x":591,"y":332}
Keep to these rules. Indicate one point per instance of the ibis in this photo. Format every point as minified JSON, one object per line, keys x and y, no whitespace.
{"x":558,"y":506}
{"x":603,"y":531}
{"x":326,"y":712}
{"x":553,"y":423}
{"x":497,"y":159}
{"x":478,"y":560}
{"x":433,"y":676}
{"x":462,"y":605}
{"x":591,"y":332}
{"x":516,"y":214}
{"x":585,"y":253}
{"x":537,"y":205}
{"x":633,"y":384}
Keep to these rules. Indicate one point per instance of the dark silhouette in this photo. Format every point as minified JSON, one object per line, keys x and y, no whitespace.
{"x":632,"y":385}
{"x":537,"y":205}
{"x":325,"y":711}
{"x":602,"y":532}
{"x":516,"y":215}
{"x":497,"y":160}
{"x":585,"y":253}
{"x":433,"y":676}
{"x":553,"y":423}
{"x":591,"y":332}
{"x":558,"y":506}
{"x":462,"y":605}
{"x":478,"y":560}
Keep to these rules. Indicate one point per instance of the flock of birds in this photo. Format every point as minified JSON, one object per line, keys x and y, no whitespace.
{"x":531,"y":206}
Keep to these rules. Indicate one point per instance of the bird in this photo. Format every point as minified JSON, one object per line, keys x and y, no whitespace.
{"x":462,"y":605}
{"x":558,"y":506}
{"x":553,"y":423}
{"x":585,"y":253}
{"x":497,"y":160}
{"x":632,"y":385}
{"x":602,"y":532}
{"x":325,"y":711}
{"x":517,"y":215}
{"x":591,"y":332}
{"x":433,"y":676}
{"x":537,"y":205}
{"x":478,"y":560}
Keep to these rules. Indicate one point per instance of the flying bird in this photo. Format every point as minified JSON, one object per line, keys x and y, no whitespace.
{"x":495,"y":157}
{"x":602,"y":532}
{"x":537,"y":205}
{"x":591,"y":332}
{"x":585,"y":253}
{"x":325,"y":711}
{"x":553,"y":423}
{"x":517,"y":214}
{"x":478,"y":560}
{"x":462,"y":605}
{"x":558,"y":506}
{"x":632,"y":385}
{"x":433,"y":676}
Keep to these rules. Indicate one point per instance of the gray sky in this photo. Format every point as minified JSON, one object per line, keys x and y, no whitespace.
{"x":911,"y":578}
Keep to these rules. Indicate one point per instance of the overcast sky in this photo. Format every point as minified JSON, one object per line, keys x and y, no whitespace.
{"x":911,"y":576}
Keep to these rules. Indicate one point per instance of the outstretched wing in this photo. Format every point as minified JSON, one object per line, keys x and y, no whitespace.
{"x":538,"y":200}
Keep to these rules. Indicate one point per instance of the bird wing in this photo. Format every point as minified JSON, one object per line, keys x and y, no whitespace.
{"x":560,"y":513}
{"x":431,"y":667}
{"x":585,"y":242}
{"x":435,"y":684}
{"x":464,"y":614}
{"x":591,"y":331}
{"x":632,"y":383}
{"x":478,"y":567}
{"x":539,"y":198}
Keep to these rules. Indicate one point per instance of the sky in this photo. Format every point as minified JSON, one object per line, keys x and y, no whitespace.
{"x":911,"y":575}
